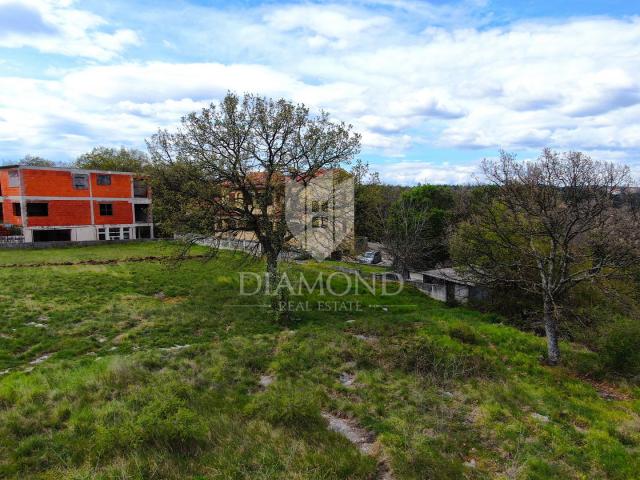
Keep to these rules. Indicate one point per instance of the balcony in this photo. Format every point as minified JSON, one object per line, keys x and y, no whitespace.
{"x":140,"y":189}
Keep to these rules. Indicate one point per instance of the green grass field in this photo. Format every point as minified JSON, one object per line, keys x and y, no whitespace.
{"x":152,"y":370}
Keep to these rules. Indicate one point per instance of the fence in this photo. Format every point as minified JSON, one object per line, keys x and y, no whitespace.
{"x":11,"y":239}
{"x":250,"y":246}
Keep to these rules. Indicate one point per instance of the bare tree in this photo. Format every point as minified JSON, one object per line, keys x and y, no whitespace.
{"x":405,"y":232}
{"x":36,"y":161}
{"x":222,"y":173}
{"x":547,"y":226}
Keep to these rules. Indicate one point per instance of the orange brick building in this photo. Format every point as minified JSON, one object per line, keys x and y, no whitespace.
{"x":67,"y":204}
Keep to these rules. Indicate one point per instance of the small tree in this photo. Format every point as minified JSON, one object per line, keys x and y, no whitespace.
{"x":415,"y":227}
{"x":222,"y":173}
{"x":406,"y":230}
{"x":547,"y":226}
{"x":36,"y":161}
{"x":373,"y":202}
{"x":122,"y":160}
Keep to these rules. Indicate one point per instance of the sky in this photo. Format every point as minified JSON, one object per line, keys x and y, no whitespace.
{"x":433,"y":87}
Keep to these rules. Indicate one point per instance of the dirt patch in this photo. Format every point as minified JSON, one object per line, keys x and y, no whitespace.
{"x":266,"y":380}
{"x":40,"y":359}
{"x":168,"y":300}
{"x":175,"y":348}
{"x":606,"y":390}
{"x":347,"y":379}
{"x":36,"y":325}
{"x":365,"y":338}
{"x":363,"y":439}
{"x":118,"y":339}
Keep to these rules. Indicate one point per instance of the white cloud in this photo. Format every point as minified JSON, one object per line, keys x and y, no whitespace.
{"x":52,"y":26}
{"x":412,"y":173}
{"x":336,"y":26}
{"x":406,"y":84}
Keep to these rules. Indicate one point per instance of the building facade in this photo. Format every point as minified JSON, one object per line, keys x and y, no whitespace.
{"x":48,"y":204}
{"x":447,"y":285}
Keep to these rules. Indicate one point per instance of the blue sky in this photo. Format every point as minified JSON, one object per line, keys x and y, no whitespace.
{"x":432,"y":86}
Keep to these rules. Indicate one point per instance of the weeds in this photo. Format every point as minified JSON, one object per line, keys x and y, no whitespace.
{"x":435,"y":359}
{"x":140,"y":386}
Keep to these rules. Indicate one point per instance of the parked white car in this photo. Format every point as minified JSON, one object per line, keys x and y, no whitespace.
{"x":371,"y":257}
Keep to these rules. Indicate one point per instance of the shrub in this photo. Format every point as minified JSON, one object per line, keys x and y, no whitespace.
{"x":170,"y":424}
{"x":121,"y":373}
{"x":439,"y":360}
{"x":292,"y":405}
{"x":619,"y":346}
{"x":464,"y":333}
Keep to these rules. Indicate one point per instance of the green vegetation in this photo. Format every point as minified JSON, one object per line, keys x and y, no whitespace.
{"x":152,"y":369}
{"x":105,"y":158}
{"x":618,"y":343}
{"x":104,"y":252}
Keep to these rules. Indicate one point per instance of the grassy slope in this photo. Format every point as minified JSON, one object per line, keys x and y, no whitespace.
{"x":439,"y":386}
{"x":92,"y":252}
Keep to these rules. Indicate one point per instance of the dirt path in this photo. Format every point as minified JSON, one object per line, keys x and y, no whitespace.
{"x":363,"y":439}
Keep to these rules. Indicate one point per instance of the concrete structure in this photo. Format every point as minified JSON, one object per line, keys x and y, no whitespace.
{"x":67,"y":204}
{"x":447,"y":285}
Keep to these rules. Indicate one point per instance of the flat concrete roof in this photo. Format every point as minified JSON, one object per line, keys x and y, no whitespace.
{"x":449,"y":275}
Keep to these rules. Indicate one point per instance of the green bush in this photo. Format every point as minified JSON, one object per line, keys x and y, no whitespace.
{"x":464,"y":333}
{"x":173,"y":426}
{"x":619,"y":346}
{"x":439,"y":360}
{"x":289,"y":404}
{"x":121,"y":373}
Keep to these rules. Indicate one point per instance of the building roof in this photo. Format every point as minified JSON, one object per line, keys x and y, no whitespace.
{"x":71,"y":169}
{"x":450,"y":275}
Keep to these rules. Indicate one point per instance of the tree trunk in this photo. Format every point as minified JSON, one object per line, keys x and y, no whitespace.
{"x":280,"y":297}
{"x":406,"y":274}
{"x":551,"y":330}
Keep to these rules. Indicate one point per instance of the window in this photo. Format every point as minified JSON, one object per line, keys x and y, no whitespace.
{"x":37,"y":209}
{"x":14,"y":178}
{"x":319,"y":221}
{"x":103,"y":180}
{"x":55,"y":235}
{"x":80,"y":181}
{"x":141,"y":213}
{"x":114,"y":233}
{"x":17,"y":210}
{"x":264,"y":197}
{"x":140,"y":188}
{"x":317,"y":206}
{"x":106,"y":209}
